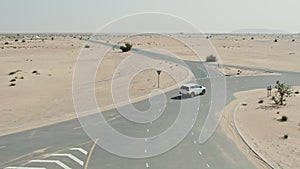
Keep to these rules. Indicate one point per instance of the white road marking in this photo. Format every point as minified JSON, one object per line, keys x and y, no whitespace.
{"x":1,"y":147}
{"x":147,"y":165}
{"x":148,"y":130}
{"x":75,"y":128}
{"x":207,"y":165}
{"x":80,"y":149}
{"x":51,"y":161}
{"x":145,"y":151}
{"x":113,"y":118}
{"x":195,"y":142}
{"x":146,"y":139}
{"x":192,"y":133}
{"x":70,"y":156}
{"x":199,"y":152}
{"x":23,"y":168}
{"x":33,"y":133}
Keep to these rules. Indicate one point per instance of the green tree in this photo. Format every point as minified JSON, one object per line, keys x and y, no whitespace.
{"x":282,"y":90}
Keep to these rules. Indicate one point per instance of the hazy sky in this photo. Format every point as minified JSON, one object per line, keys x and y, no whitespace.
{"x":89,"y":15}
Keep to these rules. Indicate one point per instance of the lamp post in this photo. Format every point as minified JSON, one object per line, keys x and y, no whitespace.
{"x":158,"y":73}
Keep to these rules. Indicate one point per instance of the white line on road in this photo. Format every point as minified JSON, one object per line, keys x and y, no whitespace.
{"x":199,"y":152}
{"x":23,"y":168}
{"x":80,"y":149}
{"x":1,"y":147}
{"x":109,"y":120}
{"x":147,"y":165}
{"x":51,"y":161}
{"x":75,"y":128}
{"x":70,"y":156}
{"x":207,"y":165}
{"x":148,"y":130}
{"x":195,"y":142}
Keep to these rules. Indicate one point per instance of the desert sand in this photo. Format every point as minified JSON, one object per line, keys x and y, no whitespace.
{"x":36,"y":77}
{"x":259,"y":50}
{"x":261,"y":126}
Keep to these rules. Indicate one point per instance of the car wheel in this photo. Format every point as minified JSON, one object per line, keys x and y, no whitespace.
{"x":203,"y":92}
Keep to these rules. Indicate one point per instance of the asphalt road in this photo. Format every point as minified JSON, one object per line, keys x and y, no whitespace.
{"x":66,"y":145}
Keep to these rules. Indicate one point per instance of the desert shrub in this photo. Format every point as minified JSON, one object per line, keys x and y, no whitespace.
{"x":12,"y":84}
{"x":275,"y":40}
{"x":286,"y":136}
{"x":296,"y":92}
{"x":126,"y":48}
{"x":16,"y":40}
{"x":211,"y":58}
{"x":35,"y":71}
{"x":23,"y":41}
{"x":6,"y":43}
{"x":284,"y":118}
{"x":282,"y":90}
{"x":86,"y":46}
{"x":293,"y":40}
{"x":11,"y":73}
{"x":260,"y":101}
{"x":52,"y":38}
{"x":252,"y":38}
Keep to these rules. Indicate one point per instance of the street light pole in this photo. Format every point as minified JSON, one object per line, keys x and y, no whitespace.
{"x":158,"y":73}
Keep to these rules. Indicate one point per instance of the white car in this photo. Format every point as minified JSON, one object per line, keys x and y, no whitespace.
{"x":192,"y":89}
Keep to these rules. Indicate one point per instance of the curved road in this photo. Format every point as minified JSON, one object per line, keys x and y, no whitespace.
{"x":66,"y":145}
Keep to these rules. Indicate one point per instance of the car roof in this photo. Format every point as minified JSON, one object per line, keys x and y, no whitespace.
{"x":191,"y":84}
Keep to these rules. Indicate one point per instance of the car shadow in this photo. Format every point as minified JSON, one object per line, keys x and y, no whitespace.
{"x":180,"y":97}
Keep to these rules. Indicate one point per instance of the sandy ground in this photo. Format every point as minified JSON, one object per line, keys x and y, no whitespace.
{"x":260,"y":125}
{"x":231,"y":71}
{"x":259,"y":50}
{"x":36,"y":77}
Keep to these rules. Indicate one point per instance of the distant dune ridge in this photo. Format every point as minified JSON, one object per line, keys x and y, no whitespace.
{"x":259,"y":31}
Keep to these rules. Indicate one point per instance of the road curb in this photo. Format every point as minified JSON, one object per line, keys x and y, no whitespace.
{"x":245,"y":141}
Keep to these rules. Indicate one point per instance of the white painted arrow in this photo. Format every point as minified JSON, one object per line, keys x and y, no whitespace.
{"x":80,"y":149}
{"x":51,"y":161}
{"x":70,"y":156}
